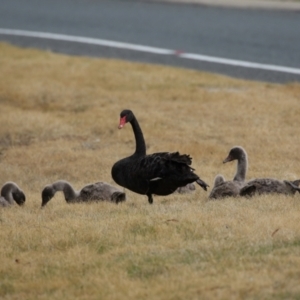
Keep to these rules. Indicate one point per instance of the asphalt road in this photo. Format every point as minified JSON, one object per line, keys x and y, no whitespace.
{"x":258,"y":36}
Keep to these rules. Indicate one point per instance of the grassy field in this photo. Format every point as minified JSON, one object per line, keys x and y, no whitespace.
{"x":59,"y":118}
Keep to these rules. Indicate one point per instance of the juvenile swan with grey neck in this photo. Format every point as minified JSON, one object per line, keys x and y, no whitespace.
{"x":158,"y":173}
{"x":98,"y":191}
{"x":11,"y":194}
{"x":232,"y":188}
{"x":269,"y":186}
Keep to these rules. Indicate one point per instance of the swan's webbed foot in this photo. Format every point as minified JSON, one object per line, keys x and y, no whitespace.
{"x":202,"y":184}
{"x":150,"y":198}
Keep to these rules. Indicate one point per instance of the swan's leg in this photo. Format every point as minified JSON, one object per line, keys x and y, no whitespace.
{"x":150,"y":198}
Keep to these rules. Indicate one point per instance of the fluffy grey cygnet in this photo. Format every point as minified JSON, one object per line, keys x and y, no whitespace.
{"x":11,"y":194}
{"x":187,"y":189}
{"x":269,"y":186}
{"x":232,"y":188}
{"x":99,"y":191}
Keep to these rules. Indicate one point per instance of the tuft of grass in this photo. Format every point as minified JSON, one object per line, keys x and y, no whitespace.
{"x":59,"y":117}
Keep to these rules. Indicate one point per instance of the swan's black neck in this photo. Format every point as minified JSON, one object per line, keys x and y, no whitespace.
{"x":139,"y":138}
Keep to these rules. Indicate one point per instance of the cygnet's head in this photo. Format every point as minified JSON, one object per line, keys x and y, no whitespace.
{"x":47,"y":194}
{"x":19,"y":197}
{"x":235,"y":153}
{"x":118,"y":197}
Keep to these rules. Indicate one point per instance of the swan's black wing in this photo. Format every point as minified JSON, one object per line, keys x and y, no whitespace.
{"x":164,"y":172}
{"x":161,"y":165}
{"x":175,"y":157}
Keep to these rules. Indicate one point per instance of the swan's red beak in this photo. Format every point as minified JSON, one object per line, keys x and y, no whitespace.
{"x":122,"y":122}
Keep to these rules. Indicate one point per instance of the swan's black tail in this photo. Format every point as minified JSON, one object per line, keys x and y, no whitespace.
{"x":202,"y":184}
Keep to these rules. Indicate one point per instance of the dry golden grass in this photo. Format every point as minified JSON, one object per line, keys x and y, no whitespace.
{"x":59,"y":118}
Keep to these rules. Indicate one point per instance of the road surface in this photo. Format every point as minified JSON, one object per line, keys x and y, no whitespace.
{"x":227,"y":35}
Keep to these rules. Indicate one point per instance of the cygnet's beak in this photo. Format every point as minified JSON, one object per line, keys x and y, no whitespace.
{"x":227,"y":159}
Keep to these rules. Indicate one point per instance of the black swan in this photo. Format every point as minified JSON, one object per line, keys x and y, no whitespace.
{"x":158,"y":173}
{"x":268,"y":186}
{"x":11,"y":193}
{"x":232,"y":188}
{"x":98,"y":191}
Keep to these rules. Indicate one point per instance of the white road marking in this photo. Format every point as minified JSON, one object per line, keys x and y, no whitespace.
{"x":148,"y":49}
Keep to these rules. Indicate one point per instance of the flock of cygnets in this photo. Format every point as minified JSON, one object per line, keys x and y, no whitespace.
{"x":161,"y":173}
